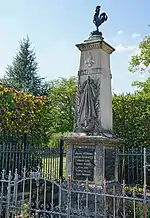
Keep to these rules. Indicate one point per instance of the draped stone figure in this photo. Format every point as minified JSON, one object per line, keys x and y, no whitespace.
{"x":88,"y":106}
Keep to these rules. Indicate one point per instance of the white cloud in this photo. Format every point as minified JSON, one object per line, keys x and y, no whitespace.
{"x":134,"y":35}
{"x":120,"y":32}
{"x":128,"y":48}
{"x":136,"y":51}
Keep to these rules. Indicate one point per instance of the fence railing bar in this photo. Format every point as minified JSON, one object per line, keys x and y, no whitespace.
{"x":8,"y":195}
{"x":30,"y":190}
{"x":141,"y":166}
{"x":45,"y":195}
{"x":2,"y":191}
{"x":133,"y":179}
{"x":137,"y":169}
{"x":145,"y":184}
{"x":134,"y":204}
{"x":95,"y":201}
{"x":61,"y":158}
{"x":128,"y":168}
{"x":114,"y":201}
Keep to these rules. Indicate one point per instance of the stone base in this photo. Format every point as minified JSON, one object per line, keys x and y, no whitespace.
{"x":96,"y":35}
{"x":92,"y":157}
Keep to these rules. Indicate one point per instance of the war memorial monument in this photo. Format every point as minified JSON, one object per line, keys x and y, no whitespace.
{"x":92,"y":147}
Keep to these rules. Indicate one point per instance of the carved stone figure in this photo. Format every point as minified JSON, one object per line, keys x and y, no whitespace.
{"x":88,"y":106}
{"x":98,"y":20}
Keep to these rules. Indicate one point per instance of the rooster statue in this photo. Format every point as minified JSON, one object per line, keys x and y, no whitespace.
{"x":98,"y":20}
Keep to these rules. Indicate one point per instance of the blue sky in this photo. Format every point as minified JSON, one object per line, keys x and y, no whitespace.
{"x":54,"y":27}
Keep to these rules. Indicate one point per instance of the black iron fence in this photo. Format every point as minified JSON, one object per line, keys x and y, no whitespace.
{"x":17,"y":154}
{"x":131,"y":166}
{"x":31,"y":195}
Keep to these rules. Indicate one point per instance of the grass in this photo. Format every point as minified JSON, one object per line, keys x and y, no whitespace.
{"x":50,"y":166}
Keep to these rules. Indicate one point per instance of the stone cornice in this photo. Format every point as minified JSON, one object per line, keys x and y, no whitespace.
{"x":95,"y":44}
{"x":92,"y":140}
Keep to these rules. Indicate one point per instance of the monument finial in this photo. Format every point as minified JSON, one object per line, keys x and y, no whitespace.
{"x":98,"y":20}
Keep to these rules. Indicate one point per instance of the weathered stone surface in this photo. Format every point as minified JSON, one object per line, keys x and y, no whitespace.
{"x":94,"y":99}
{"x":93,"y":118}
{"x":98,"y":153}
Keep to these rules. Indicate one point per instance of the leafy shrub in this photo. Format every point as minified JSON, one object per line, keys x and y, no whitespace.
{"x":20,"y":112}
{"x":131,"y":119}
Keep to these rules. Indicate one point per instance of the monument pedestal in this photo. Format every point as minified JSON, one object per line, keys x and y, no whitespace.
{"x":92,"y":157}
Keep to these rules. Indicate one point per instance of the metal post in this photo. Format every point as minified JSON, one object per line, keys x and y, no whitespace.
{"x":144,"y":188}
{"x":124,"y":204}
{"x":23,"y":190}
{"x":86,"y":204}
{"x":60,"y":197}
{"x":2,"y":191}
{"x":95,"y":201}
{"x":114,"y":201}
{"x":24,"y":149}
{"x":61,"y":157}
{"x":104,"y":192}
{"x":8,"y":195}
{"x":52,"y":198}
{"x":69,"y":196}
{"x":123,"y":164}
{"x":45,"y":195}
{"x":134,"y":203}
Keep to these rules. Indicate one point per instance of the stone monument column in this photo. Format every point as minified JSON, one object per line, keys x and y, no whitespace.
{"x":94,"y":98}
{"x":92,"y":148}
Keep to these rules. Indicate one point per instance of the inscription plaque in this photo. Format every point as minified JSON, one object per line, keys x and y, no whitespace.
{"x":83,"y":163}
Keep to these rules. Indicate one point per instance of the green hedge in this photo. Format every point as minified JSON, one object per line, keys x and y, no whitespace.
{"x":20,"y":112}
{"x":131,"y":119}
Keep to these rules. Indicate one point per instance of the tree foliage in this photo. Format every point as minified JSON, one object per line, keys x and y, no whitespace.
{"x":131,"y":119}
{"x":142,"y":86}
{"x":20,"y":112}
{"x":22,"y":74}
{"x":62,"y":97}
{"x":141,"y":62}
